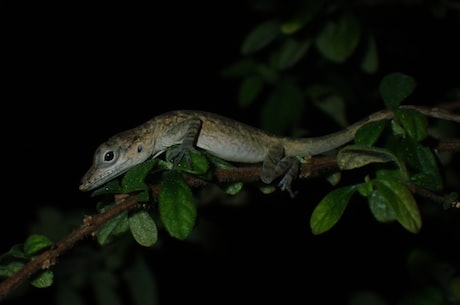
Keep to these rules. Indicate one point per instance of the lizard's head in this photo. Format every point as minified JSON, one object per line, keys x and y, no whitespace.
{"x":115,"y":157}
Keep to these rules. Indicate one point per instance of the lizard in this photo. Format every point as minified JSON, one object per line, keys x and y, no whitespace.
{"x":220,"y":136}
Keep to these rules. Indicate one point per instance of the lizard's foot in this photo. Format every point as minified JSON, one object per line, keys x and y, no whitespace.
{"x":275,"y":165}
{"x":180,"y":152}
{"x":286,"y":182}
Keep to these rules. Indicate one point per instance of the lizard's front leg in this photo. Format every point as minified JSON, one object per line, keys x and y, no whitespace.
{"x":191,"y":130}
{"x":276,"y":165}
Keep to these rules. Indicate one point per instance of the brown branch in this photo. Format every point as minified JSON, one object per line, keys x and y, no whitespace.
{"x":449,"y":145}
{"x":45,"y":260}
{"x":442,"y":199}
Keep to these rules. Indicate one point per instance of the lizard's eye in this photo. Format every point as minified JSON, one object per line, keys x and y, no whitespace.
{"x":108,"y":156}
{"x":139,"y":148}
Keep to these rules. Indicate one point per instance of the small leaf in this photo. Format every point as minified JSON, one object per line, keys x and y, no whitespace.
{"x":370,"y":62}
{"x":429,"y":176}
{"x":328,"y":99}
{"x":261,"y":36}
{"x":291,"y":52}
{"x":239,"y":69}
{"x":177,"y":205}
{"x":267,"y":73}
{"x":334,"y":178}
{"x":16,"y":251}
{"x":401,"y":201}
{"x":338,"y":39}
{"x":365,"y":189}
{"x":355,"y":156}
{"x":200,"y":164}
{"x":369,"y":133}
{"x":111,"y":187}
{"x":303,"y":16}
{"x":43,"y":279}
{"x":36,"y":243}
{"x":380,"y":207}
{"x":283,"y":109}
{"x":233,"y":188}
{"x":421,"y":161}
{"x":134,"y":178}
{"x":143,"y":228}
{"x":291,"y":27}
{"x":395,"y":88}
{"x":413,"y":122}
{"x":10,"y":269}
{"x":113,"y":226}
{"x":267,"y":189}
{"x":249,"y":90}
{"x":328,"y":212}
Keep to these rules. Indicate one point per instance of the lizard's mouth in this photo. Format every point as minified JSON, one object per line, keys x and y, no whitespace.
{"x":96,"y":177}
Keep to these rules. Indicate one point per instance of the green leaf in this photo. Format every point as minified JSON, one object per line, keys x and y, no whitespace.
{"x":303,"y":16}
{"x":134,"y":178}
{"x":36,"y":243}
{"x":43,"y":279}
{"x":10,"y":269}
{"x":283,"y":109}
{"x":370,"y":61}
{"x":249,"y":90}
{"x":369,"y":133}
{"x":267,"y":73}
{"x":200,"y":164}
{"x":143,"y":228}
{"x":177,"y":205}
{"x":111,"y":187}
{"x":267,"y":189}
{"x":112,"y":227}
{"x":365,"y":189}
{"x":327,"y":98}
{"x":328,"y":212}
{"x":395,"y":88}
{"x":413,"y":122}
{"x":422,"y":162}
{"x":233,"y":188}
{"x":261,"y":36}
{"x":290,"y":27}
{"x":380,"y":207}
{"x":401,"y":201}
{"x":389,"y":174}
{"x":16,"y":251}
{"x":338,"y":39}
{"x":291,"y":52}
{"x":334,"y":178}
{"x":429,"y":176}
{"x":240,"y":68}
{"x":355,"y":156}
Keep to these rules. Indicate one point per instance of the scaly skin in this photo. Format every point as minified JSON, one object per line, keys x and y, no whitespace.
{"x":219,"y":136}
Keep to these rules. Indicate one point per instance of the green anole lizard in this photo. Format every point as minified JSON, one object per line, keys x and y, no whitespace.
{"x":220,"y":136}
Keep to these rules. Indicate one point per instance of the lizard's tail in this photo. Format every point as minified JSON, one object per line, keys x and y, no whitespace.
{"x":317,"y":145}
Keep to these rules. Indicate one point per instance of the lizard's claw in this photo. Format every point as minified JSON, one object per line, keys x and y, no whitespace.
{"x":285,"y":184}
{"x":180,"y":152}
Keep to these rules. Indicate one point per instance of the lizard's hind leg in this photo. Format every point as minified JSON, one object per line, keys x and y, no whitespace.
{"x":276,"y":164}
